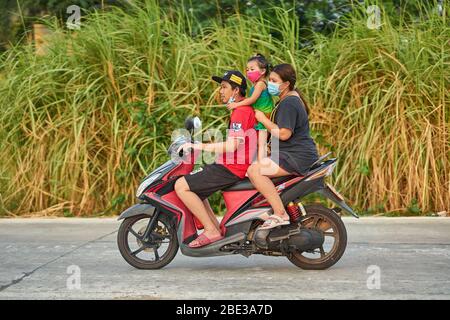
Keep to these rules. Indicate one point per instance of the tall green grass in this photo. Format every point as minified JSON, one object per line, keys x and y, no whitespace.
{"x":81,"y":125}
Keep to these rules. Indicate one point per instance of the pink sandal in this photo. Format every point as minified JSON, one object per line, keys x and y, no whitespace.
{"x":274,"y":221}
{"x":202,"y":240}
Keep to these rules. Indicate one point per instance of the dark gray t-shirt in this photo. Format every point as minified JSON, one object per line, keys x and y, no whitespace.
{"x":299,"y":151}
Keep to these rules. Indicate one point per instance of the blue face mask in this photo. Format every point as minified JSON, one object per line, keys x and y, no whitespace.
{"x":232,"y":99}
{"x":273,"y":88}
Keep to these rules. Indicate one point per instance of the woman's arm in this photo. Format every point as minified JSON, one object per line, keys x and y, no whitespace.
{"x":282,"y":134}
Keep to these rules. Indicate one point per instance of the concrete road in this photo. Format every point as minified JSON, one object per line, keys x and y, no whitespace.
{"x":39,"y":259}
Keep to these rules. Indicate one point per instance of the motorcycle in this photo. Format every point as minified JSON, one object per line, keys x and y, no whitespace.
{"x":153,"y":230}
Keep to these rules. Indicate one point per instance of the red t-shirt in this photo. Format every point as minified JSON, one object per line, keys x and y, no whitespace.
{"x":242,"y":123}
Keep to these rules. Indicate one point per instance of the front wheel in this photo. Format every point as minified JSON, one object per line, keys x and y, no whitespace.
{"x":153,"y":253}
{"x":330,"y":224}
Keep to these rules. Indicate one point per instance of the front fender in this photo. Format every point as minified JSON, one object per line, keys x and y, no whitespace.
{"x":137,"y":209}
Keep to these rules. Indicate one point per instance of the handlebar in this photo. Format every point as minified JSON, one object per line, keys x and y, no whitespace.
{"x":181,"y":153}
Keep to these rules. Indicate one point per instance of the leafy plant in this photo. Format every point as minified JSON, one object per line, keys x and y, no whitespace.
{"x":81,"y":125}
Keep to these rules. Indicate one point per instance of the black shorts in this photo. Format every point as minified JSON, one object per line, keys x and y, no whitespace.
{"x":282,"y":161}
{"x":209,"y":179}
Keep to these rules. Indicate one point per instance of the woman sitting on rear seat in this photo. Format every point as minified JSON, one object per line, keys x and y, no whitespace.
{"x":293,"y":150}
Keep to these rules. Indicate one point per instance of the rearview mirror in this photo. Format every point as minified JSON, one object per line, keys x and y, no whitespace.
{"x":192,"y":123}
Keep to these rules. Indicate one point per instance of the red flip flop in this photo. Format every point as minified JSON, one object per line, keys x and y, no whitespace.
{"x":203,"y":240}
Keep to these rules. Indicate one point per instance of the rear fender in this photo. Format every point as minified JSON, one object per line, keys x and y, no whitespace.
{"x":337,"y":199}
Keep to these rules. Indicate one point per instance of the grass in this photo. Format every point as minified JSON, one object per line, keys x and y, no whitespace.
{"x":82,"y":124}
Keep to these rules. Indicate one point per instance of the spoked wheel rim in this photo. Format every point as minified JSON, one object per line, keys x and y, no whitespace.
{"x":151,"y":250}
{"x":329,"y":229}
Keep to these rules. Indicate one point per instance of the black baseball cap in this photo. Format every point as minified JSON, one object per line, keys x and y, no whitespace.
{"x":234,"y":77}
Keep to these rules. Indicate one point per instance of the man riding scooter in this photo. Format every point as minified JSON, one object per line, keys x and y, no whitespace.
{"x":234,"y":157}
{"x":172,"y":195}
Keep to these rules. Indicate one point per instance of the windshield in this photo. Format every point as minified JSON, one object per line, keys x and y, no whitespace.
{"x":172,"y":150}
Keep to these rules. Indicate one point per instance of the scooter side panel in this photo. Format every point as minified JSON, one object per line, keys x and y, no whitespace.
{"x":251,"y":214}
{"x":189,"y":225}
{"x":233,"y":201}
{"x":301,"y":189}
{"x":181,"y":170}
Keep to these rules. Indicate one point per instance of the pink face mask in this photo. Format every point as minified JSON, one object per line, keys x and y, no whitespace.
{"x":253,"y":76}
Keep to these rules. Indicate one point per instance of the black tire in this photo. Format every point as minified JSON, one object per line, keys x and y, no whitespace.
{"x":316,"y":211}
{"x":125,"y":251}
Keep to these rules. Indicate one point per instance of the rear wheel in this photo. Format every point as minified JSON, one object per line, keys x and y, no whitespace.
{"x":330,"y":224}
{"x":159,"y":249}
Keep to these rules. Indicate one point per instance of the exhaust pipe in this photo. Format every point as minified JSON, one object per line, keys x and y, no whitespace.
{"x":291,"y":237}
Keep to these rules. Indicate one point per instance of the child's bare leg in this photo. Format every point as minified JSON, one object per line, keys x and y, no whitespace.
{"x":262,"y":144}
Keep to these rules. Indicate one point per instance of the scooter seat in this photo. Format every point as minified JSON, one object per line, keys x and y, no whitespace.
{"x":245,"y":183}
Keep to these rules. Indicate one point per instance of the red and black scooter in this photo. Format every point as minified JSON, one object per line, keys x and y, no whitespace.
{"x":153,"y":230}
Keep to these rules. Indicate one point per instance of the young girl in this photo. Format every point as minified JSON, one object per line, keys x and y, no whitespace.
{"x":259,"y":97}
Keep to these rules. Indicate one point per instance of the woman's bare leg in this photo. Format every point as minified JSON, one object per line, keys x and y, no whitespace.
{"x":262,"y":182}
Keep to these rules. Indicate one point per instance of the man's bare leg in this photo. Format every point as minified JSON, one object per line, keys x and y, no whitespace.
{"x":197,"y":207}
{"x":211,"y":213}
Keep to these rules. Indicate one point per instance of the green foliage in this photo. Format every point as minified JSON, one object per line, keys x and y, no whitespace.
{"x":313,"y":15}
{"x":82,"y":124}
{"x":414,"y":208}
{"x":68,"y":214}
{"x":18,"y":16}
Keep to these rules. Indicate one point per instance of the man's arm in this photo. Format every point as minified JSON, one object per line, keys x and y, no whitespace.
{"x":235,"y":136}
{"x":230,"y":145}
